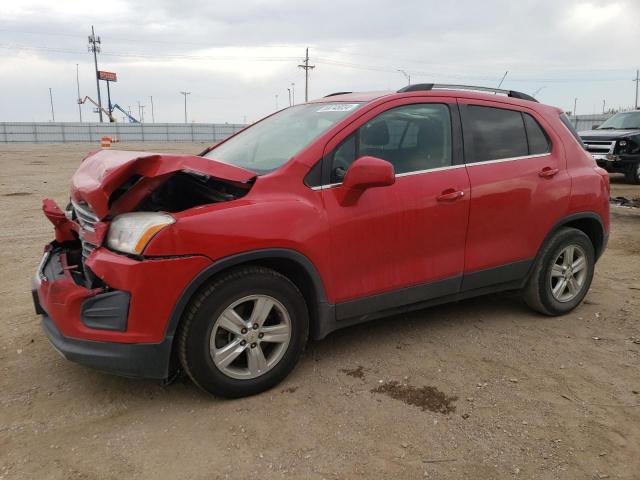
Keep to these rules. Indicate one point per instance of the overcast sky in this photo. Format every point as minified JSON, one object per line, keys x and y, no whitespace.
{"x":235,"y":57}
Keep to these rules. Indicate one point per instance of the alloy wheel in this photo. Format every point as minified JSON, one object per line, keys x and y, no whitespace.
{"x":250,"y":337}
{"x":568,"y":273}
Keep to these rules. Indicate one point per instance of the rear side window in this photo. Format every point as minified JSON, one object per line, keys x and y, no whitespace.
{"x":496,"y":133}
{"x":571,"y":128}
{"x":538,"y":140}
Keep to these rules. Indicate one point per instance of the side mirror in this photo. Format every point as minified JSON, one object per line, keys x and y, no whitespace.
{"x":366,"y":172}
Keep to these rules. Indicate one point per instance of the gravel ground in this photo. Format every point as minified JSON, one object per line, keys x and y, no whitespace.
{"x":482,"y":388}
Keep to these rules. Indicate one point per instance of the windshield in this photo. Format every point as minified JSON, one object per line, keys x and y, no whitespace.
{"x":269,"y":144}
{"x":622,"y":121}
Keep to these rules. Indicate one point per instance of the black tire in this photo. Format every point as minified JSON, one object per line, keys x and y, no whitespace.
{"x":633,"y":174}
{"x":538,"y":293}
{"x":207,"y":306}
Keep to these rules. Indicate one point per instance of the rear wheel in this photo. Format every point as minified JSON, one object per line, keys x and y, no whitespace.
{"x":633,"y":174}
{"x":244,"y":332}
{"x":561,"y":278}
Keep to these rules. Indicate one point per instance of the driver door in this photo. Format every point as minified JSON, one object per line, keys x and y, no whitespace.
{"x":402,"y":243}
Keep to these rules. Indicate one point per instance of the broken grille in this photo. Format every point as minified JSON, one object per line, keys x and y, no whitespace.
{"x":87,"y":220}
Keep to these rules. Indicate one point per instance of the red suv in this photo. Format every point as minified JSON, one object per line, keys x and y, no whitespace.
{"x":320,"y":216}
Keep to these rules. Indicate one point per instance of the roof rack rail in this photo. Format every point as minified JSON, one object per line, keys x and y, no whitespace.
{"x":446,"y":86}
{"x":336,"y":93}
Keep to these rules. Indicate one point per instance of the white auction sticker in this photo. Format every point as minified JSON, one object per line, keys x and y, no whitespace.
{"x":338,"y":107}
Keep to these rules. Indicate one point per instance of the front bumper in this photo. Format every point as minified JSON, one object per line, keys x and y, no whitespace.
{"x":616,"y":163}
{"x":145,"y":360}
{"x":120,"y":326}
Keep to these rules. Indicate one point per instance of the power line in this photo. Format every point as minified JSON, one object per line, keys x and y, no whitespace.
{"x":325,"y":61}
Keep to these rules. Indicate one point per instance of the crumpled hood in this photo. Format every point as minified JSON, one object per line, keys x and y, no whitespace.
{"x":607,"y":134}
{"x":103,"y":172}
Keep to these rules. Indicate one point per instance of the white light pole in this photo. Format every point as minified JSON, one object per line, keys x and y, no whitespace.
{"x":185,"y":104}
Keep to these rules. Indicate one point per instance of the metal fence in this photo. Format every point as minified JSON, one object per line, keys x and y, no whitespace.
{"x":69,"y":132}
{"x":59,"y":132}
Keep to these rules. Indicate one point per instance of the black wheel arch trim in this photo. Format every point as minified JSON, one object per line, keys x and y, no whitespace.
{"x":573,"y":217}
{"x":218,"y":266}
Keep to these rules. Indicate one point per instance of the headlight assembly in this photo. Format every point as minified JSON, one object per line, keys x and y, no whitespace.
{"x":131,"y":232}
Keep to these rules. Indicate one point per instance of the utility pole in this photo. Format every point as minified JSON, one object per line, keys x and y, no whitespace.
{"x":53,"y":115}
{"x":406,"y":75}
{"x":110,"y":109}
{"x":575,"y":107}
{"x":94,"y":46}
{"x":289,"y":92}
{"x":603,"y":104}
{"x":185,"y":104}
{"x":293,"y":94}
{"x":637,"y":80}
{"x":141,"y":111}
{"x":503,"y":77}
{"x":306,"y":67}
{"x":153,"y":118}
{"x":79,"y":99}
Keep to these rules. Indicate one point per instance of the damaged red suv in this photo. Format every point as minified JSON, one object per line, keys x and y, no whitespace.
{"x":320,"y":216}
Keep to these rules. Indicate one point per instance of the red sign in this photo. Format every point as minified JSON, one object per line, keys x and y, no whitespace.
{"x":108,"y":76}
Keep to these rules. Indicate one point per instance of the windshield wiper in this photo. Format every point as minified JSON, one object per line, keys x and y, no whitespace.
{"x":606,"y":128}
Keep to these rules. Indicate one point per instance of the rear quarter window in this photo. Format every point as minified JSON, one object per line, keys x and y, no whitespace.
{"x":538,"y":141}
{"x":567,"y":123}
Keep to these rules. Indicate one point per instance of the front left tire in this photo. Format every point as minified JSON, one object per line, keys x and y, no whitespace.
{"x":243,"y":332}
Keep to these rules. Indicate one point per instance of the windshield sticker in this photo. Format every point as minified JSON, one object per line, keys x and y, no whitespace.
{"x":338,"y":107}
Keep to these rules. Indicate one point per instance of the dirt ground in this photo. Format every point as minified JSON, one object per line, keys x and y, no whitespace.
{"x":482,"y":388}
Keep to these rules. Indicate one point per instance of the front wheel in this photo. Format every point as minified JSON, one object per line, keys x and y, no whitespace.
{"x":561,"y":278}
{"x":244,"y":332}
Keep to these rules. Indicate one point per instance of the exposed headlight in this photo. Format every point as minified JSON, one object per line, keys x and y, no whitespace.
{"x":131,"y":232}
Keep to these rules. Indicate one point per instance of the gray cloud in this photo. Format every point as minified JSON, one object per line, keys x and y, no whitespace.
{"x":571,"y":48}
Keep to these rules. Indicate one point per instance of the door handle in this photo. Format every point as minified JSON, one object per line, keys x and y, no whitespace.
{"x":548,"y":172}
{"x":450,"y":195}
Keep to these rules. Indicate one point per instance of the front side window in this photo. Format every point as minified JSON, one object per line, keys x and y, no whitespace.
{"x":497,"y":133}
{"x":271,"y":143}
{"x":412,"y":138}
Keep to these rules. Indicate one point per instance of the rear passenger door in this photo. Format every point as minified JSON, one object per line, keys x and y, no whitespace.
{"x":519,"y":189}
